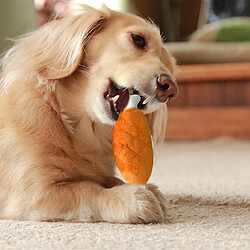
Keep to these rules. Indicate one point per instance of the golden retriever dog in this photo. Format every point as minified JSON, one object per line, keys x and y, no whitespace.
{"x":57,"y":112}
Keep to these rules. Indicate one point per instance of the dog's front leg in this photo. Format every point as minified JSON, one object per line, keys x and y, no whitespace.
{"x":87,"y":201}
{"x":131,"y":204}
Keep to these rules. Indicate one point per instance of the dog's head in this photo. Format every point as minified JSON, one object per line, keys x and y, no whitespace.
{"x":99,"y":57}
{"x":129,"y":57}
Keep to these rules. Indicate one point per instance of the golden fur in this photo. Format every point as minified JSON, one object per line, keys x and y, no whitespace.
{"x":56,"y":158}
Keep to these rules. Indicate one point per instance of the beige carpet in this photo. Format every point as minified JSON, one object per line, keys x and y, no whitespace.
{"x":207,"y":185}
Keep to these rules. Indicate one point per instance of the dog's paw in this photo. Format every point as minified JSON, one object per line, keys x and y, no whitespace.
{"x":159,"y":195}
{"x":132,"y":204}
{"x":149,"y":206}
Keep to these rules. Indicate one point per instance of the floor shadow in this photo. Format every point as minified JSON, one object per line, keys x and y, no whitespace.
{"x":189,"y":208}
{"x":232,"y":201}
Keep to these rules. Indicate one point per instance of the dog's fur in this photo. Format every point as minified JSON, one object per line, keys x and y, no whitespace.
{"x":56,"y":158}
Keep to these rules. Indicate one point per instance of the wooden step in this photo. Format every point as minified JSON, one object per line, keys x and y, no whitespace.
{"x":213,"y":72}
{"x":208,"y":122}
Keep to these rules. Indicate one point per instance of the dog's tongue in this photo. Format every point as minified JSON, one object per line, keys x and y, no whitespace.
{"x":122,"y":101}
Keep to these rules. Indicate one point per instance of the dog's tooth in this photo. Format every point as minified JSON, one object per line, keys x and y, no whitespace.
{"x":115,"y":98}
{"x":145,"y":101}
{"x":117,"y":112}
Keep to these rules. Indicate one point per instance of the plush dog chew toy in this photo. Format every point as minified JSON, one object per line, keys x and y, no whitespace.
{"x":132,"y":144}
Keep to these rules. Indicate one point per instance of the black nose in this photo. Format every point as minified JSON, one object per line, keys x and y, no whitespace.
{"x":167,"y":89}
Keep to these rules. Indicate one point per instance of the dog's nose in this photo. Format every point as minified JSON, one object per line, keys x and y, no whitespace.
{"x":167,"y":89}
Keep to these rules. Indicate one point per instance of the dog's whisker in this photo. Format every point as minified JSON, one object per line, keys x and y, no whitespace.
{"x":87,"y":74}
{"x":83,"y":65}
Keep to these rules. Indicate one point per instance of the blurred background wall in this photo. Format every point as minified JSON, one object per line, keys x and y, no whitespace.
{"x":16,"y":18}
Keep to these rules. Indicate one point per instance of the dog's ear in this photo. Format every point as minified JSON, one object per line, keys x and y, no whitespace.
{"x":158,"y":122}
{"x":59,"y":47}
{"x":53,"y":51}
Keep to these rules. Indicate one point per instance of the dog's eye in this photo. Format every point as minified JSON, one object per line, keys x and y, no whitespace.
{"x":139,"y":41}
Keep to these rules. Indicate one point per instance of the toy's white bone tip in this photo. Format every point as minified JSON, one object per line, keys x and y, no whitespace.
{"x":133,"y":101}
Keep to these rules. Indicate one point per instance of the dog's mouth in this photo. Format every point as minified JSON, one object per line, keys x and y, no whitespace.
{"x":118,"y":98}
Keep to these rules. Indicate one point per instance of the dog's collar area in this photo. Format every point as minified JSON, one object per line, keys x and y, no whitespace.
{"x":118,"y":98}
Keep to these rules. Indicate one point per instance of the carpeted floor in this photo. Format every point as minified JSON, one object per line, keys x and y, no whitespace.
{"x":207,"y":185}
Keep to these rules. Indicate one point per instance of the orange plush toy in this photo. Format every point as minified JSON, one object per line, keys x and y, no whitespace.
{"x":132,"y":144}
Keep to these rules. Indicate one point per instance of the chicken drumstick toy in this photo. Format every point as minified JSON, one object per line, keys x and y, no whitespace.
{"x":132,"y":144}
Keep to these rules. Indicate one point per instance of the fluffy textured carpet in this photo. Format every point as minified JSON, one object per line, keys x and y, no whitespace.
{"x":207,"y":186}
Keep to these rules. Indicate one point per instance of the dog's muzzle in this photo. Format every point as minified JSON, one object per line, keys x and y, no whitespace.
{"x":166,"y":88}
